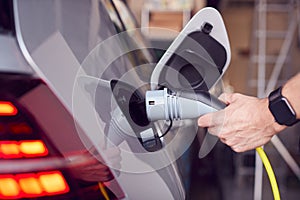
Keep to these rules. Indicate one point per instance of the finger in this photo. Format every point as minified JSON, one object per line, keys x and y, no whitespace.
{"x":223,"y":140}
{"x":206,"y":120}
{"x":240,"y":149}
{"x":212,"y":119}
{"x":233,"y":141}
{"x":245,"y":147}
{"x":215,"y":130}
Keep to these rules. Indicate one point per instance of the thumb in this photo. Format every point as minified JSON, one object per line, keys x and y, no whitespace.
{"x":226,"y":98}
{"x":205,"y":120}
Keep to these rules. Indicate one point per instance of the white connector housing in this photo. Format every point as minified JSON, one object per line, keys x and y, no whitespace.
{"x":162,"y":105}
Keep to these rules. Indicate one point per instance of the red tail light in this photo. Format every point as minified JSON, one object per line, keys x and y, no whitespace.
{"x":9,"y":187}
{"x":24,"y":148}
{"x":53,"y":182}
{"x":9,"y":149}
{"x":32,"y":185}
{"x":27,"y":146}
{"x":19,"y":128}
{"x":7,"y":109}
{"x":34,"y":148}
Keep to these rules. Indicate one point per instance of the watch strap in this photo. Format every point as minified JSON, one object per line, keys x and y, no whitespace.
{"x":275,"y":97}
{"x":275,"y":94}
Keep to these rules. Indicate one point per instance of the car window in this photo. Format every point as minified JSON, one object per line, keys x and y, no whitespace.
{"x":64,"y":38}
{"x":131,"y":26}
{"x":114,"y":16}
{"x":138,"y":50}
{"x":69,"y":39}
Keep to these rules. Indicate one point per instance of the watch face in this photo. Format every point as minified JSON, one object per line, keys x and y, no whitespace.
{"x":282,"y":111}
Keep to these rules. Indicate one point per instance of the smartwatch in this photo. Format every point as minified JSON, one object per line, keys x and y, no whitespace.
{"x":281,"y":109}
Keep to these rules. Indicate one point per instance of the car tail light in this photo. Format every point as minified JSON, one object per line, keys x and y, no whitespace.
{"x":24,"y":148}
{"x":19,"y":135}
{"x":22,"y":138}
{"x":7,"y":109}
{"x":19,"y":128}
{"x":53,"y":182}
{"x":9,"y":149}
{"x":25,"y":145}
{"x":9,"y":187}
{"x":33,"y":148}
{"x":32,"y":185}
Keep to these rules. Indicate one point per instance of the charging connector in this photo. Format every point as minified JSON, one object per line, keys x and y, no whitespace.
{"x":166,"y":105}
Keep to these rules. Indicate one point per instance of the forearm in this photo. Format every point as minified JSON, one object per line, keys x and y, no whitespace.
{"x":291,"y":90}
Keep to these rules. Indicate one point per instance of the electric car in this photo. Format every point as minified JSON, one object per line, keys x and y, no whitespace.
{"x":72,"y":120}
{"x":56,"y":106}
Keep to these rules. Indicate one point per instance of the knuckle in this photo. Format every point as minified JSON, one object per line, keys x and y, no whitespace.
{"x":235,"y":95}
{"x":236,"y":149}
{"x":230,"y":142}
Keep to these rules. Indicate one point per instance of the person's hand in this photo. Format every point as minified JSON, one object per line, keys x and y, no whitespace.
{"x":93,"y":168}
{"x":246,"y":123}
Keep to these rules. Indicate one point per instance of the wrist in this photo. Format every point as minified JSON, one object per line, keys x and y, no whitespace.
{"x":269,"y":116}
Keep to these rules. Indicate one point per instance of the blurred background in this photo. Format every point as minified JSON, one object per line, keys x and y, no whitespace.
{"x":264,"y":37}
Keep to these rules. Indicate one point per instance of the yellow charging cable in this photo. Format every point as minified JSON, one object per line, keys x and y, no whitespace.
{"x":103,"y":191}
{"x":270,"y":172}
